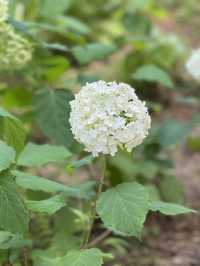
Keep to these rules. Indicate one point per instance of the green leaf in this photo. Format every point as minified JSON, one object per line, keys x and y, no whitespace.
{"x":89,"y":257}
{"x":172,"y":132}
{"x":73,"y":24}
{"x":17,"y":97}
{"x":137,"y":4}
{"x":123,"y":161}
{"x":171,"y":189}
{"x":154,"y":194}
{"x":13,"y":215}
{"x":49,"y":206}
{"x":7,"y":156}
{"x":91,"y":52}
{"x":52,"y":113}
{"x":169,"y":208}
{"x":9,"y":240}
{"x":137,"y":23}
{"x":77,"y":164}
{"x":152,"y":73}
{"x":12,"y":131}
{"x":54,"y":66}
{"x":124,"y":208}
{"x":51,"y":10}
{"x":37,"y":155}
{"x":36,"y":183}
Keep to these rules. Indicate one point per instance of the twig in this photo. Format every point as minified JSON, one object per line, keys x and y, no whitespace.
{"x":99,"y":239}
{"x":93,"y":212}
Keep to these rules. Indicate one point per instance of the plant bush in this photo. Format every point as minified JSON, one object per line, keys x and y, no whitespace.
{"x":44,"y":218}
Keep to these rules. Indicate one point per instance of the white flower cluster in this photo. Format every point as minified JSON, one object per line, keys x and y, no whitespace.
{"x":193,"y":65}
{"x":3,"y":10}
{"x":106,"y":116}
{"x":15,"y":51}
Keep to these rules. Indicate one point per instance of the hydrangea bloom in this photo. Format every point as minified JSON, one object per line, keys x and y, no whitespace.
{"x":15,"y":51}
{"x":193,"y":65}
{"x":105,"y":116}
{"x":3,"y":10}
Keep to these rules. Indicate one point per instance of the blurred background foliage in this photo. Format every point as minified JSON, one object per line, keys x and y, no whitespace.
{"x":133,"y":41}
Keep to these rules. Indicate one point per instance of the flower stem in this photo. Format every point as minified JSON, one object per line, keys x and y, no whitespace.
{"x":93,"y":212}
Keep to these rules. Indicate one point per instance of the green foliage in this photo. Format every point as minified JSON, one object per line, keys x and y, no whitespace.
{"x":37,"y":155}
{"x":169,"y":208}
{"x":124,"y":208}
{"x":52,"y":114}
{"x":79,"y":163}
{"x":12,"y":131}
{"x":171,"y":189}
{"x":9,"y":240}
{"x":49,"y":206}
{"x":152,"y":73}
{"x":71,"y":43}
{"x":89,"y":257}
{"x":91,"y":52}
{"x":50,"y":10}
{"x":173,"y":132}
{"x":54,"y":66}
{"x":36,"y":183}
{"x":13,"y":215}
{"x":7,"y":156}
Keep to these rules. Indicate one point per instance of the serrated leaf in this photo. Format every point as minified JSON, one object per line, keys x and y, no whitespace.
{"x":152,"y":73}
{"x":88,"y":257}
{"x":49,"y":206}
{"x":9,"y":240}
{"x":13,"y":215}
{"x":12,"y":131}
{"x":7,"y":156}
{"x":91,"y":52}
{"x":14,"y":134}
{"x":124,"y":208}
{"x":169,"y":208}
{"x":37,"y":155}
{"x":36,"y":183}
{"x":52,"y":113}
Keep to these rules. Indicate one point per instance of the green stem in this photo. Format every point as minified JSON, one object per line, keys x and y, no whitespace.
{"x":93,"y":212}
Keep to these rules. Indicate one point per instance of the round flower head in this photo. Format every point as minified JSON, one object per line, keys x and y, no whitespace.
{"x":106,"y":116}
{"x":15,"y":51}
{"x":193,"y":65}
{"x":3,"y":10}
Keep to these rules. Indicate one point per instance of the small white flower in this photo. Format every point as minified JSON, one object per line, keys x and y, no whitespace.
{"x":15,"y":50}
{"x":3,"y":10}
{"x":106,"y":116}
{"x":193,"y":65}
